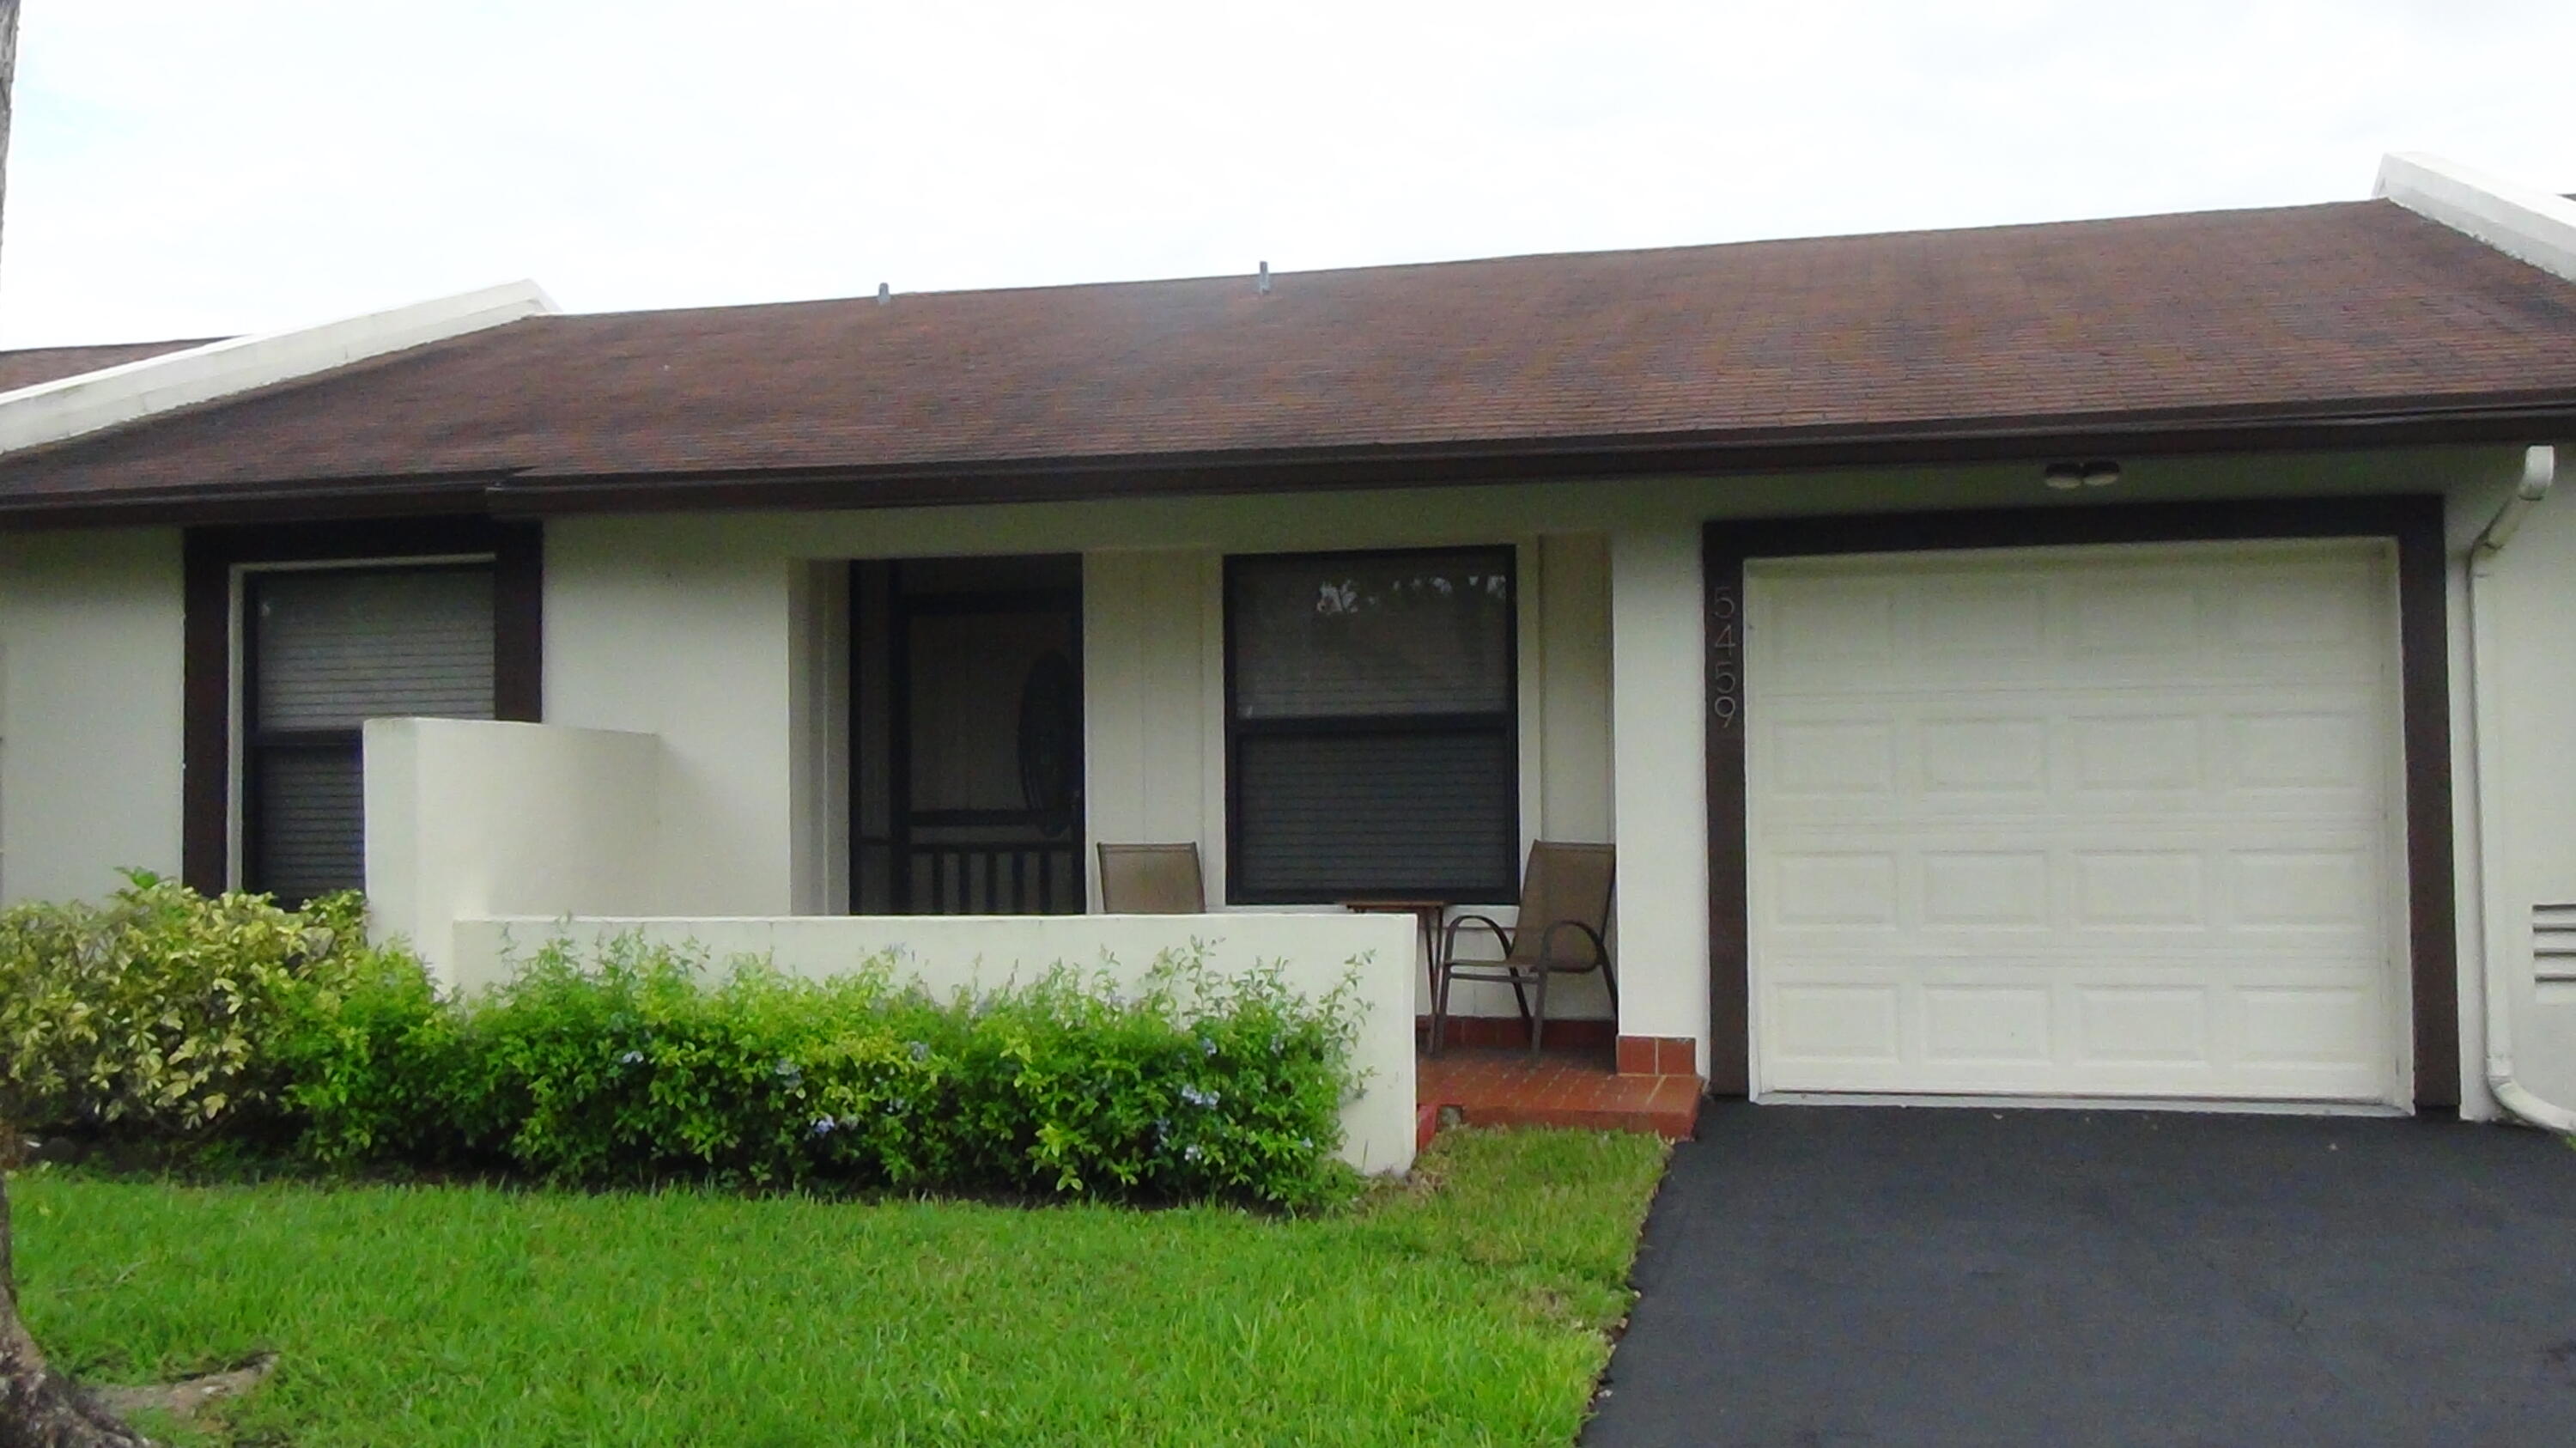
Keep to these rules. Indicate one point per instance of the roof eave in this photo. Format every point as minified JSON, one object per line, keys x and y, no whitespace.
{"x":2492,"y":420}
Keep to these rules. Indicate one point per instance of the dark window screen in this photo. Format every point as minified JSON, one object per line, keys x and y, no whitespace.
{"x":327,"y":650}
{"x":1371,"y":729}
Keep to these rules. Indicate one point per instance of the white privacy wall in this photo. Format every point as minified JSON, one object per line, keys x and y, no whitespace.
{"x":473,"y":817}
{"x":91,"y":624}
{"x":1314,"y":953}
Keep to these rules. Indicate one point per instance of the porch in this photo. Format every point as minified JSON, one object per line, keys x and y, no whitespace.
{"x":1577,"y":1085}
{"x":951,"y":736}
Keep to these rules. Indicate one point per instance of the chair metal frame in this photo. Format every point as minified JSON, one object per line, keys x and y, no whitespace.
{"x":1522,"y":968}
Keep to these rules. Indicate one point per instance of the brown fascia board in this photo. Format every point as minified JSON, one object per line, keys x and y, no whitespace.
{"x":328,"y":499}
{"x":2505,"y":419}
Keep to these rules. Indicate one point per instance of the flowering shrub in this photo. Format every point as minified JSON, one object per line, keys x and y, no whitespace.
{"x":643,"y":1062}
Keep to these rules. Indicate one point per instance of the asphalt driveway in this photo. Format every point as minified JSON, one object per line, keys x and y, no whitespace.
{"x":1817,"y":1276}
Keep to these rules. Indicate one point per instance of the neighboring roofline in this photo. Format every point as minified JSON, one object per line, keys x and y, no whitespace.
{"x":2523,"y":222}
{"x":71,"y":407}
{"x":2368,"y":423}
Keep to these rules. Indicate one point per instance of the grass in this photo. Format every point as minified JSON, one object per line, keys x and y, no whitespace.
{"x":1471,"y":1306}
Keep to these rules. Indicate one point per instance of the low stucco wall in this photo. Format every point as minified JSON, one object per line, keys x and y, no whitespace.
{"x":945,"y":953}
{"x":472,"y":818}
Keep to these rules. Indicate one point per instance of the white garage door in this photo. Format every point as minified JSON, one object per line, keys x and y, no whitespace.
{"x":2078,"y":822}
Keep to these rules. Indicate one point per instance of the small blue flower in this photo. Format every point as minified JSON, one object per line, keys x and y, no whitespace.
{"x":1207,"y":1048}
{"x":631,"y":1058}
{"x":1196,"y":1097}
{"x":789,"y":1072}
{"x":920,"y":1050}
{"x":1191,"y":1153}
{"x":823,"y":1126}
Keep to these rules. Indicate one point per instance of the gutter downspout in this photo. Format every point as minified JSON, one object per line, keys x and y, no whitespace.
{"x":2539,"y":470}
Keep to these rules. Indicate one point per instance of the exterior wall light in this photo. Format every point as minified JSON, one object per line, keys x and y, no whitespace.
{"x":2067,"y":477}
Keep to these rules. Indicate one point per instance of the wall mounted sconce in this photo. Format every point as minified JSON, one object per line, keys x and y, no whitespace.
{"x":2067,"y":477}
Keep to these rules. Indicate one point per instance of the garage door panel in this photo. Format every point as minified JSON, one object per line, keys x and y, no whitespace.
{"x":1835,"y":758}
{"x":2141,"y":1032}
{"x":1966,"y":887}
{"x":2282,"y":887}
{"x":1989,"y":1024}
{"x":2286,"y":752}
{"x":2127,"y":621}
{"x":2062,"y":826}
{"x":1976,"y":757}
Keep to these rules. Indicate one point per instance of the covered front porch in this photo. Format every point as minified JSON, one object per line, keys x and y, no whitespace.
{"x":747,"y":732}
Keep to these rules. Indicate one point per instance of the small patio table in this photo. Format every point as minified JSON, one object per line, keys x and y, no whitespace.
{"x":1429,"y":914}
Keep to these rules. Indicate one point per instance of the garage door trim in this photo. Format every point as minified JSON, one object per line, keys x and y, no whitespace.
{"x":2412,"y":523}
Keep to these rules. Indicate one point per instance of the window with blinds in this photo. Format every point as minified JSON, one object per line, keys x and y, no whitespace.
{"x":323,"y":651}
{"x":1371,"y":732}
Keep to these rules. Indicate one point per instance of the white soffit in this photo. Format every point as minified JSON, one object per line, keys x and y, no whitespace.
{"x":70,"y":407}
{"x":2527,"y":224}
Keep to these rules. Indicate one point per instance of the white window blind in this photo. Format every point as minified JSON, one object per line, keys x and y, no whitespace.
{"x":1392,"y":633}
{"x":338,"y":648}
{"x":1372,"y":730}
{"x":328,"y":650}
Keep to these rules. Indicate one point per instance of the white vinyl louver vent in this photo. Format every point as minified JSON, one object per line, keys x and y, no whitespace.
{"x":2553,"y":942}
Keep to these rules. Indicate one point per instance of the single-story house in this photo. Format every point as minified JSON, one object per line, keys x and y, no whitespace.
{"x":2107,"y":661}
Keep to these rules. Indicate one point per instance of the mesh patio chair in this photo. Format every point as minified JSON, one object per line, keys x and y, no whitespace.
{"x":1564,"y":919}
{"x":1151,"y":880}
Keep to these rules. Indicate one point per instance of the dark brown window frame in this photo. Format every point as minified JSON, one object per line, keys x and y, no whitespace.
{"x":2413,"y":522}
{"x":1504,"y":889}
{"x":213,"y":554}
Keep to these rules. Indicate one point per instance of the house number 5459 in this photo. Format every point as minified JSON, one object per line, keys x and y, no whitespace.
{"x":1725,"y":659}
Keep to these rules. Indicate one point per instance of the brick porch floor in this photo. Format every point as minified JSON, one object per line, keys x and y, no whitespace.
{"x":1487,"y":1086}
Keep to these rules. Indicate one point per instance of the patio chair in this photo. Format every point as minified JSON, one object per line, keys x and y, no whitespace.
{"x":1565,"y":915}
{"x":1151,"y":880}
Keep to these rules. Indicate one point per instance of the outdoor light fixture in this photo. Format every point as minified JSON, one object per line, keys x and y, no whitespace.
{"x":2067,"y":477}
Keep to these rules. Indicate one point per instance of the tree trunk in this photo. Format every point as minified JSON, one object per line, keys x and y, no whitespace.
{"x":8,"y":74}
{"x":40,"y":1408}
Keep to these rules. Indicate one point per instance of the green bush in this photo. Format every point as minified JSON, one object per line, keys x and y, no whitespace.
{"x":367,"y":1060}
{"x":169,"y":1013}
{"x":154,"y":1012}
{"x":643,"y":1063}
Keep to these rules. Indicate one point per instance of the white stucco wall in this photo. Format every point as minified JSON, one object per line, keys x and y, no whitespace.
{"x":470,"y":817}
{"x":679,"y":629}
{"x":1661,"y":811}
{"x":946,"y":953}
{"x":2516,"y":799}
{"x":91,"y":625}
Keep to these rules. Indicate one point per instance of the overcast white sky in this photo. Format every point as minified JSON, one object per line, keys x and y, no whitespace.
{"x":183,"y":167}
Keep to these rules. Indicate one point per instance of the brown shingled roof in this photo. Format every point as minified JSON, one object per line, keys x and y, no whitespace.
{"x":2333,"y":315}
{"x":27,"y":366}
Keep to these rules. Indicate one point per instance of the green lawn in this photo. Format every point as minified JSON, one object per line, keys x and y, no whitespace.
{"x":1469,"y":1307}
